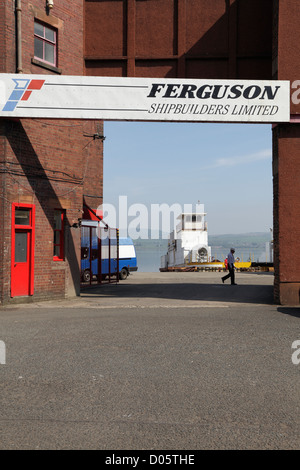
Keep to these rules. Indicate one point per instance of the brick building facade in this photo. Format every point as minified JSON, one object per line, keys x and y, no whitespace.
{"x":225,"y":39}
{"x":52,"y":166}
{"x":49,"y":168}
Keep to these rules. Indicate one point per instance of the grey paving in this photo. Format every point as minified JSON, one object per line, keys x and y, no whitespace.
{"x":160,"y":361}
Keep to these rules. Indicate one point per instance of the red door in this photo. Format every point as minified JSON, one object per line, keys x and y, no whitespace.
{"x":22,"y":260}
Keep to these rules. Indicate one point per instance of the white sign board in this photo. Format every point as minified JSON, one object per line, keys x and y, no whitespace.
{"x":143,"y":99}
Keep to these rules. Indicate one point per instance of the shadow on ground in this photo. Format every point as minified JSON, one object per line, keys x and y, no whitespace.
{"x":253,"y":294}
{"x":292,"y":311}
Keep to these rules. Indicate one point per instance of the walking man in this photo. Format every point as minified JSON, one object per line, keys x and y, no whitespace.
{"x":230,"y":261}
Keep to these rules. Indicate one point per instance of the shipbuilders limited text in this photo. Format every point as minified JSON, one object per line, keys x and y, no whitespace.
{"x":236,"y":110}
{"x":244,"y":95}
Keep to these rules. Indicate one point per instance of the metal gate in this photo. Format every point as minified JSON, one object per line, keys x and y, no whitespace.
{"x":99,"y":254}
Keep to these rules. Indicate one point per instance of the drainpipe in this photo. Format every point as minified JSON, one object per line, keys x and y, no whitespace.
{"x":19,"y":37}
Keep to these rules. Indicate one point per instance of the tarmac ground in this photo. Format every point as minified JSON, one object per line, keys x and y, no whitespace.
{"x":160,"y":361}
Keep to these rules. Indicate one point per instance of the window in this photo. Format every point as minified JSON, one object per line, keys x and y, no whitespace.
{"x":45,"y":43}
{"x":58,"y":245}
{"x":84,"y":252}
{"x":21,"y":247}
{"x":22,"y":216}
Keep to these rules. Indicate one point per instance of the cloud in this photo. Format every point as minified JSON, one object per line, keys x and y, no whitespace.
{"x":242,"y":159}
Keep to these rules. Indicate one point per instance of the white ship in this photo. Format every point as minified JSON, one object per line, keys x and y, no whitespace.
{"x":188,"y":244}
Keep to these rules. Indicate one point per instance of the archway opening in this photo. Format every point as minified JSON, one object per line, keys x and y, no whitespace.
{"x":227,"y":167}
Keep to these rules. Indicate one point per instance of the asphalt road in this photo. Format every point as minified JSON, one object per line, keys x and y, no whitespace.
{"x":161,"y":361}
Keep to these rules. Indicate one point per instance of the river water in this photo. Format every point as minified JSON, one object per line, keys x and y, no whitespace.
{"x":149,"y":260}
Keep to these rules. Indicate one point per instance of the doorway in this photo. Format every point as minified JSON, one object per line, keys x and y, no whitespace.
{"x":22,"y":250}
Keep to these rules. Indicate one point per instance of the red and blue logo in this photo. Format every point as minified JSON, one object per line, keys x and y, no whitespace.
{"x":22,"y":91}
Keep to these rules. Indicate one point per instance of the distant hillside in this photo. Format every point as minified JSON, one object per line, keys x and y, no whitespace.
{"x":243,"y":240}
{"x":247,"y":241}
{"x":151,"y":245}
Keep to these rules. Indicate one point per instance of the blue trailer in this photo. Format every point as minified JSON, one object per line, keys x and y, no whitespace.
{"x":105,"y":256}
{"x":127,"y":257}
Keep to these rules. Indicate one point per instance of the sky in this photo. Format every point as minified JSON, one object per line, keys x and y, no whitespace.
{"x":227,"y":167}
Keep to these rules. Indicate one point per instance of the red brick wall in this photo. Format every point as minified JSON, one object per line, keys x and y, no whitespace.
{"x":66,"y":16}
{"x":2,"y":37}
{"x":289,"y":44}
{"x":39,"y":155}
{"x":7,"y":33}
{"x":179,"y":38}
{"x":286,"y":179}
{"x":48,"y":163}
{"x":93,"y":164}
{"x":286,"y":162}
